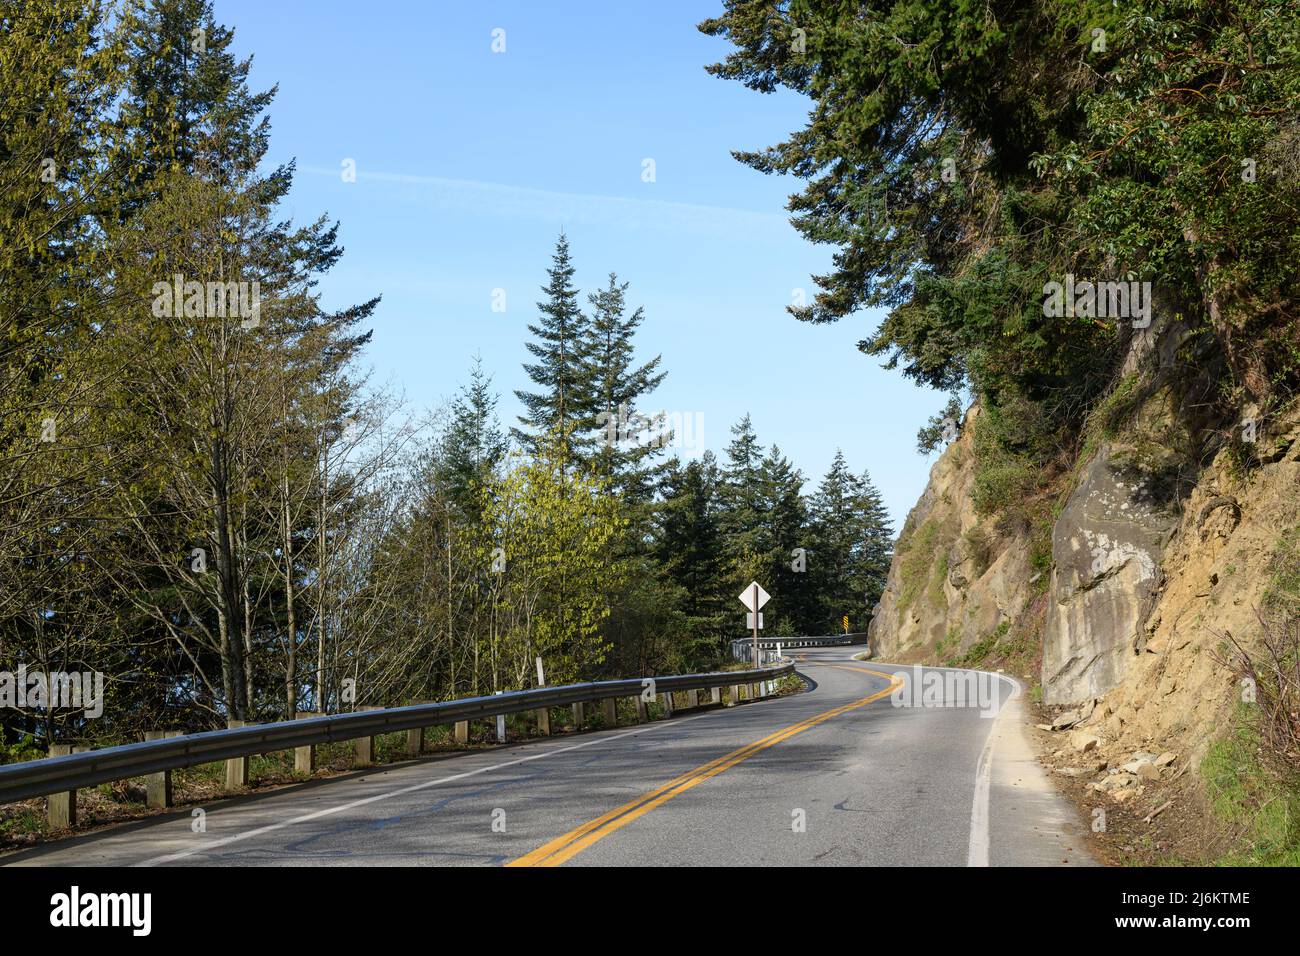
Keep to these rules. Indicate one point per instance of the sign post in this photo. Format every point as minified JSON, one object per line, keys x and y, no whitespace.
{"x":754,"y":597}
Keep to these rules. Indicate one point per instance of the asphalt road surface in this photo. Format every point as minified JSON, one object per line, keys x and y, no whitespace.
{"x":843,"y":775}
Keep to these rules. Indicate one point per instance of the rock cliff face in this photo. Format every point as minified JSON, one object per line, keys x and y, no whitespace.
{"x":1155,"y":553}
{"x":950,"y":584}
{"x":1107,"y":548}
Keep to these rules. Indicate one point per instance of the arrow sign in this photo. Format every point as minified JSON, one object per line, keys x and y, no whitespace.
{"x":747,"y":596}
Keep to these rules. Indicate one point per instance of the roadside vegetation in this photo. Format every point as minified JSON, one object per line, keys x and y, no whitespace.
{"x":1253,"y":771}
{"x":205,"y":499}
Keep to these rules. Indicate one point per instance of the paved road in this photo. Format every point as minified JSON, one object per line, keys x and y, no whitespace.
{"x":840,"y":776}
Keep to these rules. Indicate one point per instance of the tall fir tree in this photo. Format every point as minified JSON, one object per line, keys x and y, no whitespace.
{"x":562,"y":409}
{"x":473,"y":446}
{"x":876,"y":543}
{"x":851,"y":536}
{"x":189,"y":105}
{"x":742,"y":488}
{"x":621,"y":456}
{"x":689,"y":548}
{"x":784,"y":546}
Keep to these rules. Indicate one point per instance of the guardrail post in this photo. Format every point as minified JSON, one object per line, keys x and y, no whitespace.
{"x":579,"y":716}
{"x":692,"y":698}
{"x":462,"y":731}
{"x":734,"y":696}
{"x":641,"y":715}
{"x":756,"y":691}
{"x":364,"y":747}
{"x":501,"y":721}
{"x":158,"y":786}
{"x":715,"y":695}
{"x":666,"y":700}
{"x":544,"y":721}
{"x":611,"y":712}
{"x":61,"y":808}
{"x":415,"y":736}
{"x":304,"y":758}
{"x":236,"y":767}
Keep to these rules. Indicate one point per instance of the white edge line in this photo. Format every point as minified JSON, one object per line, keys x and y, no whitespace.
{"x":977,"y":852}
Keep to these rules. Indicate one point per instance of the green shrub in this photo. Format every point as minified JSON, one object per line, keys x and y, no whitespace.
{"x":24,"y":748}
{"x":1013,"y":442}
{"x":916,"y":555}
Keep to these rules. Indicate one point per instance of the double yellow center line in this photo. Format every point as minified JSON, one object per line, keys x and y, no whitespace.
{"x":575,"y":841}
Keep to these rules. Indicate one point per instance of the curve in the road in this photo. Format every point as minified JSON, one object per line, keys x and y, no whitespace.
{"x":575,"y":841}
{"x":844,"y":774}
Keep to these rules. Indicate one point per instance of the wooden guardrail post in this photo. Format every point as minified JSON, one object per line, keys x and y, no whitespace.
{"x":364,"y":747}
{"x":304,"y":758}
{"x":692,"y":698}
{"x":415,"y":736}
{"x":462,"y":731}
{"x":236,"y":767}
{"x":544,"y":721}
{"x":579,"y":716}
{"x":734,"y":697}
{"x":666,"y":701}
{"x":715,"y":695}
{"x":641,"y":715}
{"x":611,"y":712}
{"x":158,"y":786}
{"x":61,"y":808}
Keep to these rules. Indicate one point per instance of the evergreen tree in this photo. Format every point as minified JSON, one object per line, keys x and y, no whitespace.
{"x":563,"y":406}
{"x":689,"y":548}
{"x":59,"y":76}
{"x":742,"y":491}
{"x":784,"y":517}
{"x":188,"y":105}
{"x":742,"y":518}
{"x":1042,"y":141}
{"x":621,"y":455}
{"x":851,"y":537}
{"x":211,"y":394}
{"x":473,"y":446}
{"x":877,"y":548}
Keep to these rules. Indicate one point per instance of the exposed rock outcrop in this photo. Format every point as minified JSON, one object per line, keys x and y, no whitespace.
{"x":1107,"y":546}
{"x":1156,"y":553}
{"x":951,"y":582}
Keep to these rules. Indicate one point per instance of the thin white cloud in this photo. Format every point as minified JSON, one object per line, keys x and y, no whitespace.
{"x":520,"y":202}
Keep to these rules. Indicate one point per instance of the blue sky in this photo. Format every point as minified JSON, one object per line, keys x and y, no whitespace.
{"x":470,"y":162}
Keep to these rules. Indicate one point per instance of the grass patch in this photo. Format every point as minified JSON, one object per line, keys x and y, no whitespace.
{"x":915,"y":564}
{"x":1258,"y":804}
{"x":1013,"y":650}
{"x":978,"y":652}
{"x":947,"y":641}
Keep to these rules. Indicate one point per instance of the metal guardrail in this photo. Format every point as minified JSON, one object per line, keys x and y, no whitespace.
{"x":742,"y":647}
{"x":52,"y":775}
